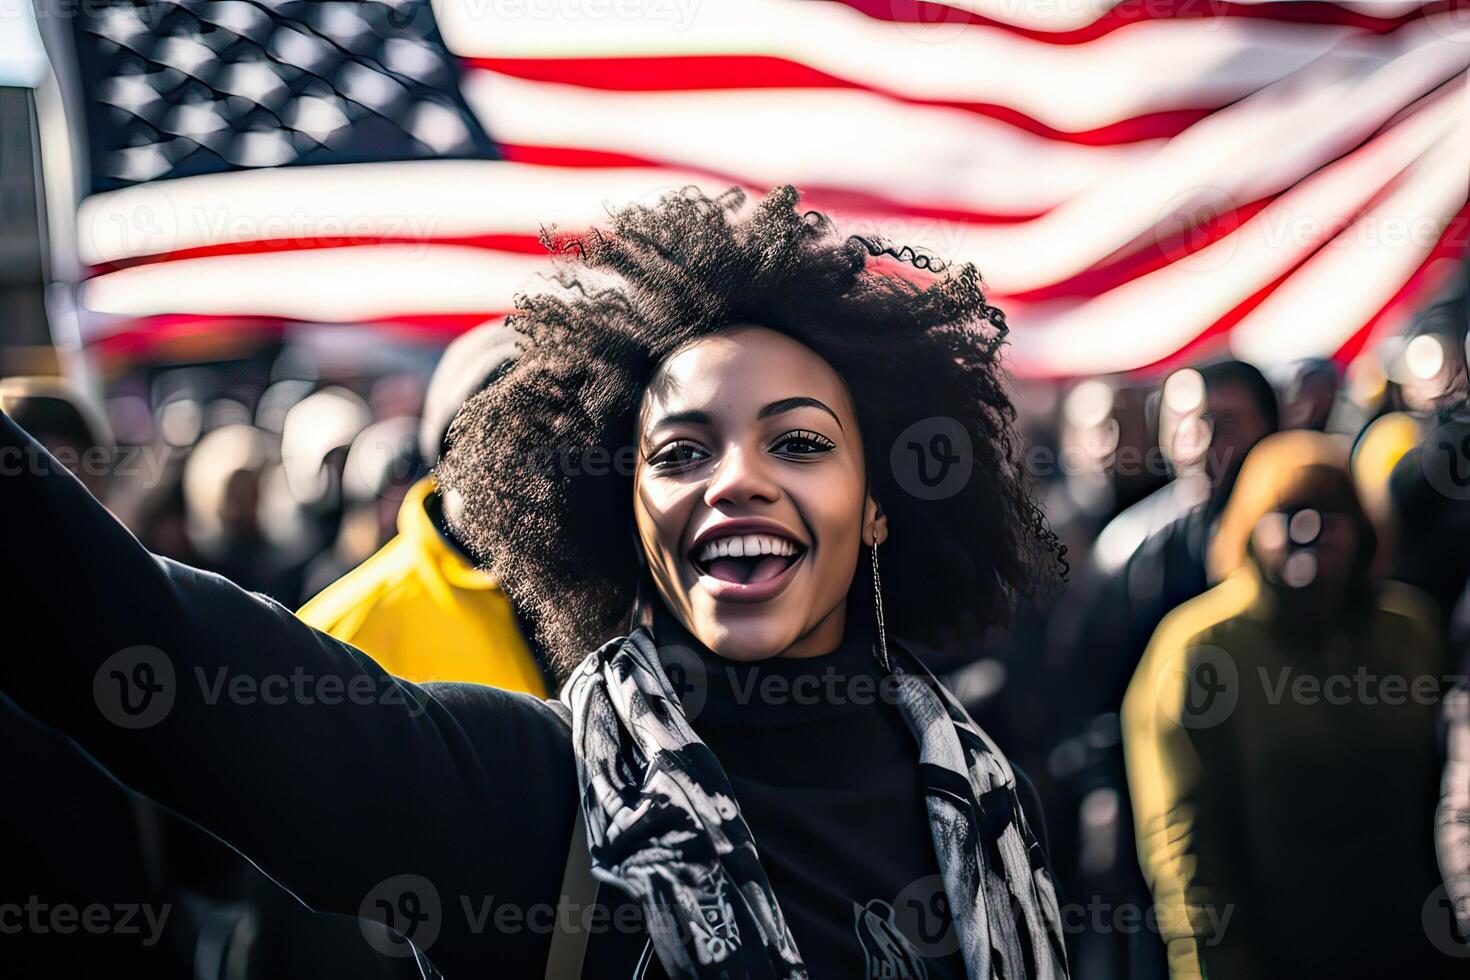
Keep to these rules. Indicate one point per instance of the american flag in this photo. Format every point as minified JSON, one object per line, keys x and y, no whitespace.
{"x":1139,"y":182}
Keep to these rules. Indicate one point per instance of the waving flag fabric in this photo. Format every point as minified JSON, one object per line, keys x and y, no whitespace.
{"x":1138,"y":183}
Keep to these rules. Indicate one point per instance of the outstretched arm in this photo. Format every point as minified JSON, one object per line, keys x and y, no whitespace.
{"x":293,"y":747}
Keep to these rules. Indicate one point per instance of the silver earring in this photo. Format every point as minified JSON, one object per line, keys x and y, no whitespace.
{"x":641,"y":613}
{"x":878,"y":608}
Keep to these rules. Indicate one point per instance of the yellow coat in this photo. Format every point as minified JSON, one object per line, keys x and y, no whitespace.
{"x":423,"y":612}
{"x":1262,"y":815}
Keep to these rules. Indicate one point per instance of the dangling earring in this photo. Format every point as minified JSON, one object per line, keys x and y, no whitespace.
{"x":641,"y":613}
{"x":882,"y":650}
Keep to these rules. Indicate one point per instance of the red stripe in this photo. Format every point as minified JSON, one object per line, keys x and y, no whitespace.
{"x":526,"y":244}
{"x":1116,"y":271}
{"x":685,"y":73}
{"x":1455,"y":242}
{"x":1139,"y":11}
{"x":570,"y":156}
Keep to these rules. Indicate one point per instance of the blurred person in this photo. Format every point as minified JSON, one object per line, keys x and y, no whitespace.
{"x":222,"y":491}
{"x":1152,"y":557}
{"x":317,"y":433}
{"x":302,"y":503}
{"x":1282,"y":774}
{"x":1367,"y":390}
{"x":159,"y":515}
{"x":1309,"y":394}
{"x":66,"y":423}
{"x":1377,"y":451}
{"x":382,"y":464}
{"x":421,"y":606}
{"x":1429,"y":509}
{"x":751,"y":369}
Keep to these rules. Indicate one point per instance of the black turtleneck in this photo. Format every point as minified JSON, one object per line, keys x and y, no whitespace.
{"x":826,"y":772}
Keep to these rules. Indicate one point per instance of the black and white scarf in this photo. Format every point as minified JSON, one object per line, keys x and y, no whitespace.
{"x":663,"y":825}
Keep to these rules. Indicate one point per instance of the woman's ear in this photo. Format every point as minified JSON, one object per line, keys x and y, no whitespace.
{"x":875,"y":523}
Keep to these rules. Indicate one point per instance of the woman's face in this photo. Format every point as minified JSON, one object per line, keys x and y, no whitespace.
{"x":750,"y":494}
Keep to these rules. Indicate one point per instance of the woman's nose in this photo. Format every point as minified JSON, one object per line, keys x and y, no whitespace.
{"x":739,"y":478}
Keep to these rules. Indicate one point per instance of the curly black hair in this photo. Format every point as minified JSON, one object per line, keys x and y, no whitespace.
{"x":543,"y":458}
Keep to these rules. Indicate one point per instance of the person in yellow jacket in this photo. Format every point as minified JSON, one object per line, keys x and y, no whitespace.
{"x":1280,"y":743}
{"x":419,"y":606}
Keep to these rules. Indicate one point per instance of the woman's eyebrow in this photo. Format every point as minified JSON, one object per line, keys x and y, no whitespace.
{"x":692,"y":416}
{"x":801,"y":401}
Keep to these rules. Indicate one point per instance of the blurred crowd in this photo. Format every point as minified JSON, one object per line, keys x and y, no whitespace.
{"x":1243,"y":711}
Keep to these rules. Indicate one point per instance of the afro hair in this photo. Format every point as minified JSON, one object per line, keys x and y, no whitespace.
{"x":543,"y":459}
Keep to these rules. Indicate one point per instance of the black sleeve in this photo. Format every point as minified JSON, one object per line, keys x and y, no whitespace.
{"x":294,"y":748}
{"x":1031,"y":807}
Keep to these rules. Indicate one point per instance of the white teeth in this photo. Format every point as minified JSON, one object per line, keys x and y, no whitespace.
{"x":746,"y":546}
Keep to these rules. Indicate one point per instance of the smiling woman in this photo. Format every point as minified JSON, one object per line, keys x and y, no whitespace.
{"x":786,"y":411}
{"x":746,"y":348}
{"x":773,"y":385}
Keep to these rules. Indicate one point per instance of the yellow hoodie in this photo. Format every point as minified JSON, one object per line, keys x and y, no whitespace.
{"x":1283,"y":794}
{"x":423,"y":612}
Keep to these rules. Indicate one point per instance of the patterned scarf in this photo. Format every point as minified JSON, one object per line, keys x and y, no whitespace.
{"x":663,"y":825}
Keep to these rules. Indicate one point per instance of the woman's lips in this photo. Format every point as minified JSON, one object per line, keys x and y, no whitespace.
{"x":750,"y":590}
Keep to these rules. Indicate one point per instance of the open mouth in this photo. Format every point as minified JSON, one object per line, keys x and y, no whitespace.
{"x":747,"y":559}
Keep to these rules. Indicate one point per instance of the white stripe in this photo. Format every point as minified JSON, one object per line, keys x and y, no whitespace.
{"x":1327,"y":300}
{"x":327,"y":285}
{"x":1058,"y":16}
{"x":917,"y":155}
{"x":1071,"y":15}
{"x":1147,"y":67}
{"x":418,"y":201}
{"x":1155,"y":315}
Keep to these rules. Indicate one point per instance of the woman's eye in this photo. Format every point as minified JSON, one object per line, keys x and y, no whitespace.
{"x":803,"y":442}
{"x":677,"y":454}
